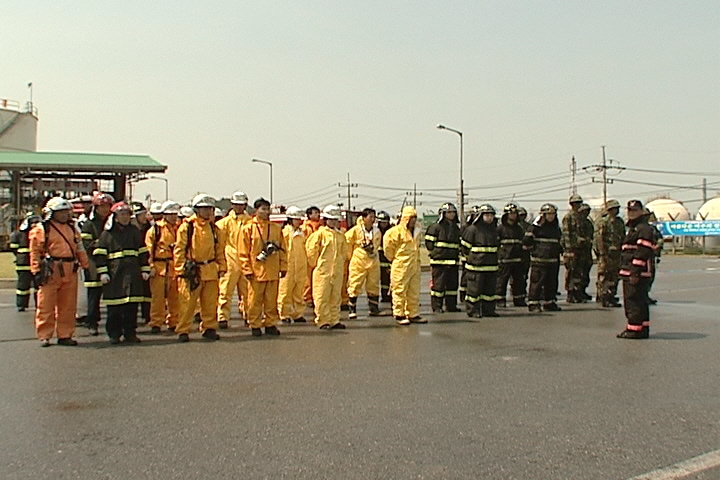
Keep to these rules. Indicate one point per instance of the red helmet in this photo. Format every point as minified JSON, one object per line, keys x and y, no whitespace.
{"x":102,"y":199}
{"x":120,"y":206}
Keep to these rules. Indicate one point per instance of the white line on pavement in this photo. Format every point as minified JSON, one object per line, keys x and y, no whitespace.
{"x":683,"y":469}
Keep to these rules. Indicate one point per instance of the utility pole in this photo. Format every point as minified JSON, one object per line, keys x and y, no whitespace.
{"x":603,"y":169}
{"x":704,"y":190}
{"x":414,"y":194}
{"x":350,"y":195}
{"x":573,"y":173}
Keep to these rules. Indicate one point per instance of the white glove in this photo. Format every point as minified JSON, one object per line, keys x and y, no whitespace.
{"x":145,"y":276}
{"x":104,"y":278}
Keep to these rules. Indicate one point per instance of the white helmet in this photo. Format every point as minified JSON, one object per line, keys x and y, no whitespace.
{"x":239,"y":198}
{"x":331,"y":212}
{"x":156,"y":208}
{"x":186,"y":211}
{"x":218,"y":212}
{"x":203,"y":200}
{"x":170,"y":207}
{"x":294,"y":212}
{"x":56,"y":204}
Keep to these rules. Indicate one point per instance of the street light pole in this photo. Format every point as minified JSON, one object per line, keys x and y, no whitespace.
{"x":257,"y":160}
{"x":167,"y":196}
{"x":461,"y":207}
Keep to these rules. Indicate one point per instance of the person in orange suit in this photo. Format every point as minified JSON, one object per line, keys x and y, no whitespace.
{"x":199,"y":262}
{"x":56,"y":253}
{"x":160,"y":241}
{"x":263,"y":261}
{"x":310,"y":226}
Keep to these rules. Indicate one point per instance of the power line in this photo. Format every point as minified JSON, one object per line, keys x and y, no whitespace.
{"x":673,"y":172}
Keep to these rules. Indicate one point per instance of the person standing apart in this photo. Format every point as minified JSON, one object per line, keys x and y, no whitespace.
{"x":263,"y":261}
{"x":56,"y":252}
{"x":638,"y":254}
{"x":402,"y":248}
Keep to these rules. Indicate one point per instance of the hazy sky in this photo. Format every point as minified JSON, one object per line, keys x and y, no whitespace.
{"x":324,"y":88}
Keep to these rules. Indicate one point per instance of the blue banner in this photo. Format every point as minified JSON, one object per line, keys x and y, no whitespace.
{"x":690,"y":228}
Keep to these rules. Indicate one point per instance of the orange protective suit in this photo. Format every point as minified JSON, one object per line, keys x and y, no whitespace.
{"x":57,"y":298}
{"x":309,"y":227}
{"x":327,"y":254}
{"x":265,"y":275}
{"x":290,"y":298}
{"x":402,"y":248}
{"x":208,"y":251}
{"x":233,"y":280}
{"x":164,"y":304}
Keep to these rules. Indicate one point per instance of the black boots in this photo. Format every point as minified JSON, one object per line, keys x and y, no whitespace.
{"x":451,"y":304}
{"x":374,"y":305}
{"x":635,"y":334}
{"x":436,"y":303}
{"x":519,"y":302}
{"x":352,"y":308}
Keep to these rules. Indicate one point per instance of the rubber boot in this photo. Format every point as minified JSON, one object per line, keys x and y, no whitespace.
{"x":473,"y":310}
{"x":437,"y":304}
{"x":451,"y":304}
{"x":488,"y":309}
{"x":352,"y":308}
{"x":519,"y":302}
{"x":374,"y":305}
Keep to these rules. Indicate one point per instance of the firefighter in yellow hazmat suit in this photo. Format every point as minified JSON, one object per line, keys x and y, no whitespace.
{"x":402,"y":247}
{"x":364,"y":242}
{"x":160,"y":241}
{"x":263,"y":261}
{"x":290,"y":299}
{"x":233,"y":279}
{"x":326,"y":252}
{"x":199,"y":262}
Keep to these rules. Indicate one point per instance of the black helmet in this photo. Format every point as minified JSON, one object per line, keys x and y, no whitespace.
{"x":382,"y":216}
{"x":511,"y":207}
{"x":548,"y":208}
{"x":487,"y":208}
{"x":447,"y":207}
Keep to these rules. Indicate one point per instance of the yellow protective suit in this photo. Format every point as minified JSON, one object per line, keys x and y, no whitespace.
{"x":164,"y":304}
{"x":263,"y":287}
{"x":364,"y":268}
{"x":290,"y":299}
{"x":402,"y":248}
{"x":233,"y":280}
{"x":208,"y":251}
{"x":326,"y":252}
{"x":309,"y":227}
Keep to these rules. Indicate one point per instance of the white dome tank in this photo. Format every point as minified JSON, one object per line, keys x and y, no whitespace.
{"x":668,"y":210}
{"x":710,"y":211}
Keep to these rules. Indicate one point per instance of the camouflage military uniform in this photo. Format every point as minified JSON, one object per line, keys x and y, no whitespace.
{"x":607,"y":243}
{"x":572,"y":243}
{"x":585,"y":262}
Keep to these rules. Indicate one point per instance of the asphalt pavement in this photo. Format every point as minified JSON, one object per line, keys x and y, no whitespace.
{"x":544,"y":396}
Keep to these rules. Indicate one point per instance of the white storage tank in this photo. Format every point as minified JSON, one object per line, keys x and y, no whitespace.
{"x":668,"y":210}
{"x":18,"y":126}
{"x":710,"y":211}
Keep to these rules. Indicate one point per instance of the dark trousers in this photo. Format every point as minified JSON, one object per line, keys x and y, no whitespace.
{"x":385,"y":284}
{"x":444,"y":286}
{"x":637,"y":310}
{"x":94,"y":294}
{"x":481,"y":288}
{"x":543,"y":283}
{"x":516,"y":271}
{"x":121,"y":320}
{"x":24,"y":289}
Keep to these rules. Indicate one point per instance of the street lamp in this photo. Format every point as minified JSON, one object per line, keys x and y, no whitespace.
{"x":257,"y":160}
{"x":462,"y":182}
{"x":167,"y":196}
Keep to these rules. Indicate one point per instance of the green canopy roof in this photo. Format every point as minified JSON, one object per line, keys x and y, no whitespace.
{"x":79,"y":162}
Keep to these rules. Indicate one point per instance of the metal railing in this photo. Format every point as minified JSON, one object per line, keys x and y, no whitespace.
{"x":15,"y":106}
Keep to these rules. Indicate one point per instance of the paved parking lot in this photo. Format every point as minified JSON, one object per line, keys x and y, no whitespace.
{"x":520,"y":396}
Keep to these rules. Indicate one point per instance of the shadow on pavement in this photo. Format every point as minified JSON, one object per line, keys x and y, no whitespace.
{"x":677,"y":336}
